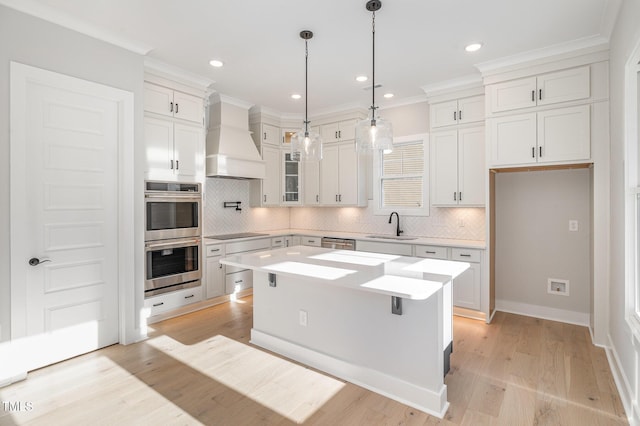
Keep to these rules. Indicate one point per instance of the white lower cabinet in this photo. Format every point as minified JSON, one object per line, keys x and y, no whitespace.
{"x":238,"y":281}
{"x":306,"y":240}
{"x":342,"y":176}
{"x":467,"y":286}
{"x":214,"y":271}
{"x":385,"y":248}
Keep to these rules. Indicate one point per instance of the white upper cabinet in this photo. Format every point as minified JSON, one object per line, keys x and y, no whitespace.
{"x":562,"y":86}
{"x":458,"y":167}
{"x":291,"y":179}
{"x":458,"y":111}
{"x":270,"y":134}
{"x":552,"y":136}
{"x":266,"y":192}
{"x":164,"y":101}
{"x":173,"y":149}
{"x":311,"y":179}
{"x":342,"y":176}
{"x":339,"y":131}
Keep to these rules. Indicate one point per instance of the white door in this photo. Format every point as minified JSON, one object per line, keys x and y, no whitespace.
{"x":158,"y":138}
{"x":471,"y":167}
{"x":188,"y":151}
{"x":513,"y":139}
{"x":444,"y":168}
{"x":347,"y":173}
{"x":329,"y":175}
{"x":564,"y":134}
{"x":271,"y":182}
{"x":64,"y":209}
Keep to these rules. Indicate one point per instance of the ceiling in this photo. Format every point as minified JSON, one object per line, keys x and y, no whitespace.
{"x":418,"y":42}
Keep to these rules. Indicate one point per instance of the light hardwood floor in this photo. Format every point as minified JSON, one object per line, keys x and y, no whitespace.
{"x":200,"y":369}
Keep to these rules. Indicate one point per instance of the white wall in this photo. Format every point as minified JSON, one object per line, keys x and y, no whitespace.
{"x":533,"y":241}
{"x":41,"y":44}
{"x":625,"y":347}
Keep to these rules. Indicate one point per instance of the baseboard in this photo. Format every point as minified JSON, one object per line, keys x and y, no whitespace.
{"x":543,"y":312}
{"x":624,"y":388}
{"x":469,"y":313}
{"x":434,"y":403}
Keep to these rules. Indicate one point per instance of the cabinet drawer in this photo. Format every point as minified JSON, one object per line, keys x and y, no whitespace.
{"x":249,"y":245}
{"x":465,"y":255}
{"x":166,"y":302}
{"x":238,"y":281}
{"x":433,"y":252}
{"x":386,"y":248}
{"x":310,"y":241}
{"x":278,"y":242}
{"x":213,"y":250}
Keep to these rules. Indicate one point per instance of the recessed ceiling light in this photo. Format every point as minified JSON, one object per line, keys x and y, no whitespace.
{"x":362,"y":78}
{"x":296,"y":96}
{"x":216,"y":63}
{"x":473,"y":47}
{"x":388,"y":95}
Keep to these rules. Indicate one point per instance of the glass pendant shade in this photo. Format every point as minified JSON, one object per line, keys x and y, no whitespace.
{"x":374,"y":134}
{"x":306,"y":146}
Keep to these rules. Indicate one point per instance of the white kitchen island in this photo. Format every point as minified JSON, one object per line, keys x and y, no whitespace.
{"x":380,"y":321}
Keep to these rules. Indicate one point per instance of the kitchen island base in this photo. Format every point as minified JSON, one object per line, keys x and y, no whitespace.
{"x":353,"y":335}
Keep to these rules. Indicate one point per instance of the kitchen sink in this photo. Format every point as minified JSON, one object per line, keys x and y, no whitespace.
{"x":392,"y":237}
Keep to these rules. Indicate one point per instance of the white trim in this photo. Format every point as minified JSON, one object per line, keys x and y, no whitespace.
{"x":176,"y":74}
{"x":421,"y":211}
{"x":434,"y":403}
{"x":624,"y":388}
{"x":58,"y":17}
{"x":471,"y":81}
{"x":543,"y":312}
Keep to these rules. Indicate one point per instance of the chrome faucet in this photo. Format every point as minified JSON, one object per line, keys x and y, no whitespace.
{"x":398,"y":230}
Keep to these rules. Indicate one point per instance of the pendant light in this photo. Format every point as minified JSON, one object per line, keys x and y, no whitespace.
{"x":374,"y":133}
{"x":306,"y":145}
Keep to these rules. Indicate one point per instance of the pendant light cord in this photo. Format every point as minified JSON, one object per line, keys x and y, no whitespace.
{"x":306,"y":88}
{"x":373,"y":66}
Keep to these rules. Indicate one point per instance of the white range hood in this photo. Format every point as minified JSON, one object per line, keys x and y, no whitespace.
{"x":231,"y":152}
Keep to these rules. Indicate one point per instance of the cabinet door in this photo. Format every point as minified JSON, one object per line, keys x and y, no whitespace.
{"x":188,"y":150}
{"x":563,"y":86}
{"x":270,"y":134}
{"x":347,"y":174}
{"x":188,"y":107}
{"x":329,"y":176}
{"x":286,"y":135}
{"x":271,"y":182}
{"x":443,"y":113}
{"x":347,"y":130}
{"x":329,"y":132}
{"x":158,"y":99}
{"x":564,"y":134}
{"x":471,"y":167}
{"x":466,"y":288}
{"x":513,"y":94}
{"x":311,"y":187}
{"x":290,"y":179}
{"x":471,"y":109}
{"x":444,"y":168}
{"x":158,"y":137}
{"x":512,"y":139}
{"x":215,"y":277}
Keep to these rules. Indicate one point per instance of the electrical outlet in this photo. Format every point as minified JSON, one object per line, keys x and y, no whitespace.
{"x":303,"y":318}
{"x":573,"y":225}
{"x":461,"y":223}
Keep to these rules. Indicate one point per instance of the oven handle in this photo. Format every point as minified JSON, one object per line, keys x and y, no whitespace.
{"x":164,"y":197}
{"x":181,"y":243}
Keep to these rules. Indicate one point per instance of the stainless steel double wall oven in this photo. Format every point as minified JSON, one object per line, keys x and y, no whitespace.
{"x":173,"y":232}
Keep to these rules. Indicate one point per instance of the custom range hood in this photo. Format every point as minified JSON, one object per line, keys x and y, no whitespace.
{"x":231,"y":152}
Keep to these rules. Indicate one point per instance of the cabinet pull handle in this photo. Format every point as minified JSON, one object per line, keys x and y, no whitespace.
{"x":540,"y":95}
{"x":533,"y":96}
{"x":189,"y":296}
{"x":265,"y":198}
{"x":212,"y":250}
{"x":455,"y":194}
{"x":336,"y":135}
{"x":336,"y":198}
{"x":340,"y":197}
{"x":171,"y":164}
{"x":533,"y":152}
{"x":311,"y":241}
{"x":454,"y":115}
{"x":317,"y":198}
{"x":339,"y":133}
{"x":170,"y":106}
{"x":220,"y":266}
{"x":238,"y":281}
{"x":459,"y":196}
{"x":460,"y":115}
{"x":430,"y":252}
{"x":155,"y":305}
{"x":540,"y":155}
{"x":176,"y":107}
{"x":464,"y":255}
{"x":177,"y":164}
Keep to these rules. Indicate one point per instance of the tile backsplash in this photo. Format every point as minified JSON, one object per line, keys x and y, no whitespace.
{"x":456,"y":223}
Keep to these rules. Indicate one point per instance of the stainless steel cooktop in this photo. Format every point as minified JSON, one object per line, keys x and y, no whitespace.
{"x":238,"y":235}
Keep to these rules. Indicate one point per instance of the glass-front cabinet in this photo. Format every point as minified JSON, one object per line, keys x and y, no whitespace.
{"x":290,"y":179}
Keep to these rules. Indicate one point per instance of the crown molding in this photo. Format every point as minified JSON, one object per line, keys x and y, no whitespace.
{"x":471,"y":81}
{"x":220,"y":98}
{"x":174,"y":73}
{"x":58,"y":17}
{"x":403,"y":102}
{"x":579,"y":47}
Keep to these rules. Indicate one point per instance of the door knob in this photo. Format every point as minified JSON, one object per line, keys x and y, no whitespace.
{"x":34,"y":261}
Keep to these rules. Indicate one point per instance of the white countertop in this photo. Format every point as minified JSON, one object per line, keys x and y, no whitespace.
{"x":445,"y":242}
{"x":392,"y":275}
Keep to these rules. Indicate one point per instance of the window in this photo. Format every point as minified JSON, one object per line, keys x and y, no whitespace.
{"x":400,"y":177}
